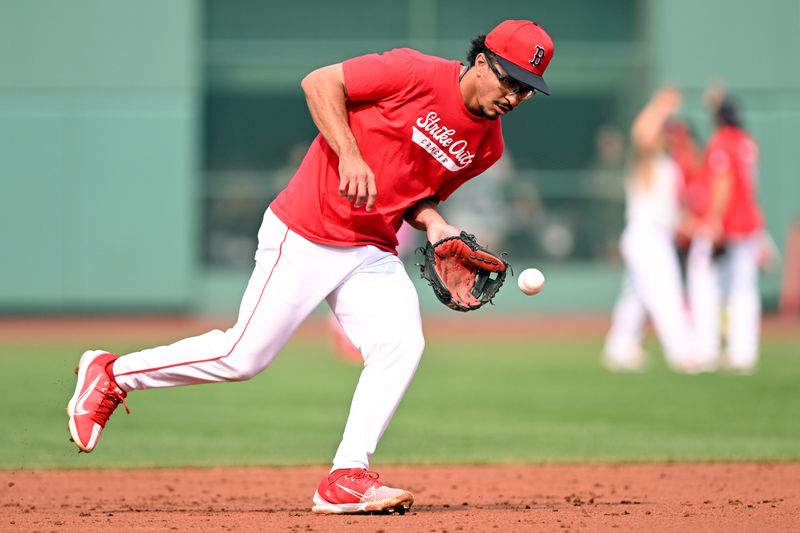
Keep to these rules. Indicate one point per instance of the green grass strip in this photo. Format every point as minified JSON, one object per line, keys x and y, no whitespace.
{"x":496,"y":402}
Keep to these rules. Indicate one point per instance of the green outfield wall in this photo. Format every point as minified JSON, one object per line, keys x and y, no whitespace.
{"x":98,"y":154}
{"x":140,"y":142}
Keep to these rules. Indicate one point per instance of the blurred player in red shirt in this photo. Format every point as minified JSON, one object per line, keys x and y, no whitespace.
{"x":726,"y":246}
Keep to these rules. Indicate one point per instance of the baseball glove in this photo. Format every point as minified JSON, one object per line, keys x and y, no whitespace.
{"x":464,"y":275}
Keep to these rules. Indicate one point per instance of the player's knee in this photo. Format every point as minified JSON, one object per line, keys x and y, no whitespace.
{"x":412,"y":340}
{"x":245,"y":365}
{"x":417,"y":346}
{"x":243,"y":374}
{"x":413,"y":350}
{"x":403,"y":348}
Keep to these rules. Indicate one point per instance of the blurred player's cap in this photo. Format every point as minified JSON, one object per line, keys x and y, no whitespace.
{"x":728,"y":113}
{"x":524,"y":50}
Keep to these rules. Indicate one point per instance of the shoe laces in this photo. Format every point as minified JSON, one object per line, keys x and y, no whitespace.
{"x":363,"y":475}
{"x":109,"y":403}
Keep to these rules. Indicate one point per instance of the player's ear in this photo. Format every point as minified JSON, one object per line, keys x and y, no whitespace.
{"x":481,"y":60}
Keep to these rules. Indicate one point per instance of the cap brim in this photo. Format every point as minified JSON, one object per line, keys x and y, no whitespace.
{"x":524,"y":76}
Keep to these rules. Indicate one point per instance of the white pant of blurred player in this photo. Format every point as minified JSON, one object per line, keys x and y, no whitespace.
{"x":728,"y":283}
{"x":367,"y":289}
{"x":652,"y":287}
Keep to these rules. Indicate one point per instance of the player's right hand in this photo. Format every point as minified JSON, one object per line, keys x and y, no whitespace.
{"x":357,"y":182}
{"x":668,"y":99}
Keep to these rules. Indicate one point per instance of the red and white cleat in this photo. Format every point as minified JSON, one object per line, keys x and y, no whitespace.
{"x":96,"y":397}
{"x":356,"y":490}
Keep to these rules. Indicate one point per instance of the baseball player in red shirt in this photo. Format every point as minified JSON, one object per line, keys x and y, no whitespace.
{"x":399,"y":132}
{"x":731,"y":222}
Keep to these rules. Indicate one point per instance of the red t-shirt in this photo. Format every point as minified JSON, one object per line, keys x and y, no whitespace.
{"x":733,"y":152}
{"x":414,"y":131}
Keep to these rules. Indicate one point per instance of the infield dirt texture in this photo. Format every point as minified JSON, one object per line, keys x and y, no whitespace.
{"x":561,"y":463}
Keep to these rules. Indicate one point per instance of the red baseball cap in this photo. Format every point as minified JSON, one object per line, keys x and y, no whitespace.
{"x":524,"y":50}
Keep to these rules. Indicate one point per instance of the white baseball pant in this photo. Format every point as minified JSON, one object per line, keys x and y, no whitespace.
{"x":729,"y":282}
{"x":370,"y":293}
{"x":653,"y":287}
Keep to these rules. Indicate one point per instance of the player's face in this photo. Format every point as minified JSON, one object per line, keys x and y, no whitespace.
{"x":501,"y":93}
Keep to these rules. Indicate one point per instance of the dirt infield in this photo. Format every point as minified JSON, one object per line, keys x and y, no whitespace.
{"x":647,"y":497}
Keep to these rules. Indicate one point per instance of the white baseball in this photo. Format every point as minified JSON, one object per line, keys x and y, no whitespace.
{"x":531,"y":281}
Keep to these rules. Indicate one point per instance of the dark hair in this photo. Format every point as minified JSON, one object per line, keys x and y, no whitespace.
{"x":476,"y":46}
{"x":728,"y":114}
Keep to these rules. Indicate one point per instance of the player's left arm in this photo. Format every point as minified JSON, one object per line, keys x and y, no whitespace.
{"x":425,"y":216}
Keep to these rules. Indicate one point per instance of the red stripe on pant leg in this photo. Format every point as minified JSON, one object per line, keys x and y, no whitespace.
{"x":263,"y":289}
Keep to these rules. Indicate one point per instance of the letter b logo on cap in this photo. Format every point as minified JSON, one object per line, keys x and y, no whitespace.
{"x":538,"y":57}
